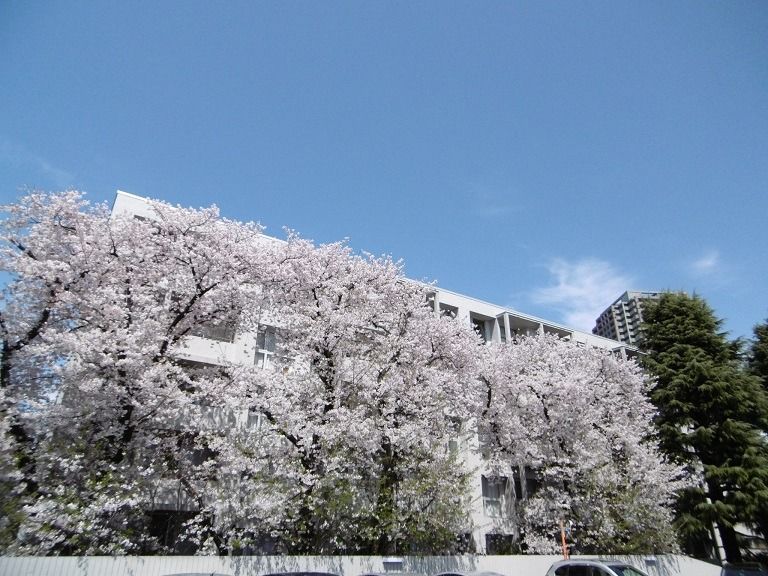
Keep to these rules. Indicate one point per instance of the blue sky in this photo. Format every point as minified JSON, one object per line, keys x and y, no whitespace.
{"x":546,"y":156}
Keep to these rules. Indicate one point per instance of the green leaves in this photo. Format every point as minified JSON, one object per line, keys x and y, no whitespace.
{"x":710,"y":414}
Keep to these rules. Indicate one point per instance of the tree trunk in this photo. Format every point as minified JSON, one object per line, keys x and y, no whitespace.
{"x":727,"y":533}
{"x":385,"y":503}
{"x":730,"y":543}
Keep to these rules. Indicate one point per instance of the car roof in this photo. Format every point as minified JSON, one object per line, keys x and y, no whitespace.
{"x":744,"y":568}
{"x":603,"y":562}
{"x":580,"y":561}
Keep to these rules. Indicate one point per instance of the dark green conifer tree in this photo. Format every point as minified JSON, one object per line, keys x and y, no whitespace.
{"x":712,"y":414}
{"x":758,"y":355}
{"x":758,"y":365}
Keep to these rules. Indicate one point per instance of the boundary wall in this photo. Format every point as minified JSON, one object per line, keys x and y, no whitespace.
{"x":661,"y":565}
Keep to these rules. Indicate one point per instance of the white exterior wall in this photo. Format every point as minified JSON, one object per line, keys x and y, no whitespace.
{"x":127,"y":204}
{"x":472,"y":306}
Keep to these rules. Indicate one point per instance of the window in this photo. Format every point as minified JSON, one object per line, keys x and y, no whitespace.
{"x":531,"y":485}
{"x":448,"y":310}
{"x":486,"y":438}
{"x":197,"y":373}
{"x":266,"y":338}
{"x":500,"y":544}
{"x":454,"y":429}
{"x":478,"y":324}
{"x":266,"y":344}
{"x":494,"y":490}
{"x":194,"y":449}
{"x":220,"y":330}
{"x":222,"y":326}
{"x":254,"y":420}
{"x":169,"y":527}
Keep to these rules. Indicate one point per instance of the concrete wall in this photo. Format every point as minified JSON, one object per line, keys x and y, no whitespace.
{"x":666,"y":565}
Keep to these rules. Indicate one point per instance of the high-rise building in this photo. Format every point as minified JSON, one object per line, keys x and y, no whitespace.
{"x":621,"y":320}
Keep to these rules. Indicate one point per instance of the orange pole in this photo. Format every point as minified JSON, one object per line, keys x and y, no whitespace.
{"x":562,"y":539}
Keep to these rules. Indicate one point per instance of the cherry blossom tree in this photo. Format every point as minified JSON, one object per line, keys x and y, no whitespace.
{"x":580,"y":420}
{"x":180,"y":383}
{"x":371,"y":386}
{"x":340,"y":445}
{"x":44,"y":263}
{"x":99,"y":309}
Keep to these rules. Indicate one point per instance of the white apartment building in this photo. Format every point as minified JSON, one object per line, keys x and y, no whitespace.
{"x":492,"y":497}
{"x":621,"y":320}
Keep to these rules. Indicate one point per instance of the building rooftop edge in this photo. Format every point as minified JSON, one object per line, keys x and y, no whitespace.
{"x":503,"y":309}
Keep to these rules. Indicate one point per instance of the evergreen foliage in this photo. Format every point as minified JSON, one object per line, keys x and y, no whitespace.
{"x":758,"y":364}
{"x":711,"y":418}
{"x":758,"y":356}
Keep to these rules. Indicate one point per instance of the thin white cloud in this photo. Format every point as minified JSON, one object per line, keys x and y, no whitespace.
{"x":60,"y":177}
{"x":707,"y":264}
{"x":17,"y":155}
{"x":491,"y":210}
{"x":582,"y":290}
{"x":487,"y":201}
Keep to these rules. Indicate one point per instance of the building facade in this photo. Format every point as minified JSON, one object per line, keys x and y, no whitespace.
{"x":492,"y":497}
{"x":621,"y":320}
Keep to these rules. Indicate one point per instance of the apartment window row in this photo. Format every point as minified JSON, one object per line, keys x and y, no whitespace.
{"x":221,"y":326}
{"x":221,"y":330}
